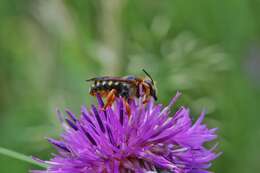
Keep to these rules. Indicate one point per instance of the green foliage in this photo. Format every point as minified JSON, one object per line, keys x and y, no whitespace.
{"x":48,"y":48}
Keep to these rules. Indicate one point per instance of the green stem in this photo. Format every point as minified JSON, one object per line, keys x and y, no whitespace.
{"x":21,"y":157}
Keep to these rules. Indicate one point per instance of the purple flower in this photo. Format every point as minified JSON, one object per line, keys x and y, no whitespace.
{"x":149,"y":139}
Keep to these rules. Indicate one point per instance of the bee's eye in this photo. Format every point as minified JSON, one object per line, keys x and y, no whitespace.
{"x":154,"y":94}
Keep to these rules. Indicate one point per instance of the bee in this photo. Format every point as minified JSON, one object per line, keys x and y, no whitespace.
{"x":127,"y":87}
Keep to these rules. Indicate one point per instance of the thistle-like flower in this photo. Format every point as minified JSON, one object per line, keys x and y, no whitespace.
{"x":149,"y":139}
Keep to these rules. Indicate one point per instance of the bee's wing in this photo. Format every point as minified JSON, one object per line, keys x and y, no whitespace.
{"x":109,"y":78}
{"x":98,"y":78}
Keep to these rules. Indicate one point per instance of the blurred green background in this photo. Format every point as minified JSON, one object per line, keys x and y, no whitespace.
{"x":207,"y":49}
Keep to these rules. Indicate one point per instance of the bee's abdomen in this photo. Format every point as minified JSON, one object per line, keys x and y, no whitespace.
{"x":103,"y":87}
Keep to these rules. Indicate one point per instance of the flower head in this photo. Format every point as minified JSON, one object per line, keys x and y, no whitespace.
{"x":149,"y":139}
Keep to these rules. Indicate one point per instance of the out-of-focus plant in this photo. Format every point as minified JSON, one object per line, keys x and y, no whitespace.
{"x":188,"y":64}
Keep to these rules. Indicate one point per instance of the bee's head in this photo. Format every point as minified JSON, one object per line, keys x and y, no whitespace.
{"x":149,"y":81}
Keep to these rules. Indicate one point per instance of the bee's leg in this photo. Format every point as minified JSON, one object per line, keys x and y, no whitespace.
{"x":127,"y":106}
{"x":110,"y":98}
{"x":146,"y":99}
{"x":146,"y":96}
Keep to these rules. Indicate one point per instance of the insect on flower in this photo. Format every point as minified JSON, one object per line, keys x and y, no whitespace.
{"x":153,"y":139}
{"x":127,"y":87}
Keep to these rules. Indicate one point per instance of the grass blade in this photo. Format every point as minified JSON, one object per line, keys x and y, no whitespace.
{"x":21,"y":157}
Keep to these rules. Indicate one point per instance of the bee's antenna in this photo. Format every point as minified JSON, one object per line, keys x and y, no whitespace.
{"x":148,"y":75}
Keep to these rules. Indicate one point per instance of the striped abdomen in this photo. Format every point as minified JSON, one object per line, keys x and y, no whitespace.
{"x":123,"y":89}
